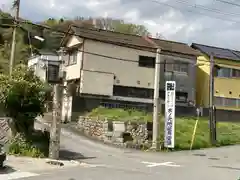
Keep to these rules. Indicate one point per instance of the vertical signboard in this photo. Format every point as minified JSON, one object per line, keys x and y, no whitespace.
{"x":170,"y":99}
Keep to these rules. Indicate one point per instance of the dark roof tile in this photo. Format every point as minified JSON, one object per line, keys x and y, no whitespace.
{"x":218,"y":52}
{"x":134,"y":41}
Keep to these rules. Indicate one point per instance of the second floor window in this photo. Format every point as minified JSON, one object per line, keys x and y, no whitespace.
{"x":228,"y":73}
{"x":72,"y":59}
{"x":180,"y":67}
{"x":235,"y":73}
{"x":172,"y":65}
{"x":146,"y":61}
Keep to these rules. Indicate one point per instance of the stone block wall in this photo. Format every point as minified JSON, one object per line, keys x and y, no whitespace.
{"x":5,"y":131}
{"x":115,"y":132}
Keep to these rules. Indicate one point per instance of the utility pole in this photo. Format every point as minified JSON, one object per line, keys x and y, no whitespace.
{"x":13,"y":48}
{"x":55,"y":130}
{"x":156,"y":103}
{"x":212,"y":120}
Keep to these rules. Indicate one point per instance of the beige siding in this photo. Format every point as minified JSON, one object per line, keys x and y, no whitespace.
{"x":96,"y":83}
{"x":73,"y":71}
{"x":74,"y":41}
{"x":128,"y":73}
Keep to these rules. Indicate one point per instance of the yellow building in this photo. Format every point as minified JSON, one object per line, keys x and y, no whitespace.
{"x":226,"y":80}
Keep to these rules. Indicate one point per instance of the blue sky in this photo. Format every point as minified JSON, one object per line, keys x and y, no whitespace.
{"x":203,"y":21}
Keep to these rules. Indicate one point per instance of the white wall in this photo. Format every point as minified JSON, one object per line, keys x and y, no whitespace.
{"x":37,"y":62}
{"x":73,"y":71}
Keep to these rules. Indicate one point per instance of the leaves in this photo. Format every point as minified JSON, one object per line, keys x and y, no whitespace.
{"x":22,"y":94}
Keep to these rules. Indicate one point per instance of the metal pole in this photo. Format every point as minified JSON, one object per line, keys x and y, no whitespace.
{"x":156,"y":103}
{"x":13,"y":48}
{"x":212,"y":123}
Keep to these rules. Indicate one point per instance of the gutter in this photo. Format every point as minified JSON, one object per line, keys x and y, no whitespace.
{"x":81,"y":67}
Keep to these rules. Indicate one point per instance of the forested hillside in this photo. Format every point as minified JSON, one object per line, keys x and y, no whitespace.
{"x":26,"y":31}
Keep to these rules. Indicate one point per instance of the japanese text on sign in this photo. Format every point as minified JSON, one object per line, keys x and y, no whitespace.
{"x":170,"y":114}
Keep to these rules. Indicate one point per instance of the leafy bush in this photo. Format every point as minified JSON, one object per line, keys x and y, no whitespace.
{"x":23,"y":97}
{"x":34,"y":146}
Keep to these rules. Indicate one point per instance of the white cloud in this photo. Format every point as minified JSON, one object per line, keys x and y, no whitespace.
{"x":172,"y":23}
{"x":132,"y":15}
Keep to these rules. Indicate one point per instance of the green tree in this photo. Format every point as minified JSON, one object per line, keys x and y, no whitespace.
{"x":121,"y":26}
{"x":22,"y":96}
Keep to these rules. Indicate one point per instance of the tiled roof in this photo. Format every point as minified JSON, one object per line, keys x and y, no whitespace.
{"x":134,"y":41}
{"x":217,"y":52}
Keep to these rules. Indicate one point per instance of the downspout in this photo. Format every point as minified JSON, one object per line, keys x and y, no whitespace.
{"x":81,"y":67}
{"x":94,"y":22}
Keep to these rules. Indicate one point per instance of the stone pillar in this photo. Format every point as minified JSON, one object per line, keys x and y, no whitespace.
{"x":118,"y":129}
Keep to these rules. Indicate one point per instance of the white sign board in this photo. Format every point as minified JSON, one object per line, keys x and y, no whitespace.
{"x":170,"y":99}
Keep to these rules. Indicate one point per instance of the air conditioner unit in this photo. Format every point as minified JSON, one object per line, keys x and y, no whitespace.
{"x":42,"y":65}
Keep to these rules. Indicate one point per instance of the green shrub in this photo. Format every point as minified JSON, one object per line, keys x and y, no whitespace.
{"x":228,"y":133}
{"x":32,"y":147}
{"x":119,"y":114}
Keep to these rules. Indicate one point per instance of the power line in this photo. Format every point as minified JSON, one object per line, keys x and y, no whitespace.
{"x":228,"y":2}
{"x":101,"y":55}
{"x":110,"y":57}
{"x":164,"y":62}
{"x":205,"y":8}
{"x":129,"y":60}
{"x":194,"y":12}
{"x":215,"y":10}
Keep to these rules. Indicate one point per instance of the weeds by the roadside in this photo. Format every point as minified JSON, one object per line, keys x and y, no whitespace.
{"x":34,"y":145}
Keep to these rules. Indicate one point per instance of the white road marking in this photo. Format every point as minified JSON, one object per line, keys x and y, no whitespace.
{"x":16,"y":175}
{"x":91,"y":165}
{"x":154,"y":164}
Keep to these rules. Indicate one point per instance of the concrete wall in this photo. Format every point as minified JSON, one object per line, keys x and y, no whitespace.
{"x":128,"y":73}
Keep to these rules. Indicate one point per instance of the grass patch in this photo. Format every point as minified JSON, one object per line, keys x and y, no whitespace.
{"x":227,"y":133}
{"x":35,"y":145}
{"x":119,"y":114}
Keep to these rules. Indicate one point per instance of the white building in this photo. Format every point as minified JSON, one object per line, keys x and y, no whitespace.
{"x":45,"y":65}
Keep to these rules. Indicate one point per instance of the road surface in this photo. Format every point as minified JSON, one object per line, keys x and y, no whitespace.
{"x":102,"y":162}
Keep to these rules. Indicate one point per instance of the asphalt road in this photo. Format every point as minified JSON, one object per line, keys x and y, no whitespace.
{"x":103,"y":162}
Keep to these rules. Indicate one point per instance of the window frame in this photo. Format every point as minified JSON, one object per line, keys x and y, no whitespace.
{"x":72,"y":57}
{"x":223,"y":102}
{"x":231,"y":72}
{"x":143,"y":62}
{"x":176,"y":63}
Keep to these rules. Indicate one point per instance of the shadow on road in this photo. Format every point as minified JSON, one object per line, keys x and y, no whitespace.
{"x":7,"y":170}
{"x":70,"y":155}
{"x":226,"y":167}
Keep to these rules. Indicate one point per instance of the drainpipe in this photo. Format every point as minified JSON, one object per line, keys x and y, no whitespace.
{"x":94,"y":22}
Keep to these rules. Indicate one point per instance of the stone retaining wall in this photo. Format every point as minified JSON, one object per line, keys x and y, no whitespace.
{"x":5,"y":131}
{"x":115,"y":132}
